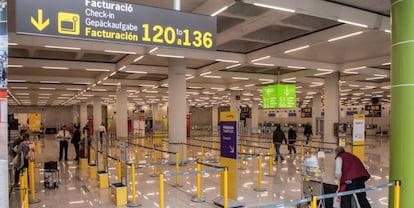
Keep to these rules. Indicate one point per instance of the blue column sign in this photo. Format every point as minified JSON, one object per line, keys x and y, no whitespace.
{"x":228,"y":137}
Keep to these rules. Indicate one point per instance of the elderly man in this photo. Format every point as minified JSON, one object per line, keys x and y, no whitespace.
{"x":352,"y":175}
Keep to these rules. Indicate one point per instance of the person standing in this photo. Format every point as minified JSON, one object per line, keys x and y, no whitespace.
{"x":278,"y":138}
{"x":292,"y":140}
{"x":307,"y":132}
{"x":352,"y":175}
{"x":63,"y":136}
{"x":18,"y":147}
{"x":102,"y":131}
{"x":76,"y":138}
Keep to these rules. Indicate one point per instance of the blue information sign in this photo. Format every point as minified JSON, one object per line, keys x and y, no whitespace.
{"x":228,"y":139}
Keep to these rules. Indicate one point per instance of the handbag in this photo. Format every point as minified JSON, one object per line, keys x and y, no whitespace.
{"x":18,"y":161}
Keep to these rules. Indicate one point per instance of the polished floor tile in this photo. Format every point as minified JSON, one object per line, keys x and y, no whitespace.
{"x":282,"y":184}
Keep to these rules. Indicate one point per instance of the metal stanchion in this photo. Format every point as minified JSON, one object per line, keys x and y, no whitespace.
{"x":161,"y":190}
{"x":119,"y":171}
{"x":397,"y":188}
{"x":314,"y":201}
{"x":226,"y":188}
{"x":133,"y":203}
{"x":259,"y":176}
{"x":198,"y":198}
{"x":154,"y":174}
{"x":33,"y":199}
{"x":176,"y":171}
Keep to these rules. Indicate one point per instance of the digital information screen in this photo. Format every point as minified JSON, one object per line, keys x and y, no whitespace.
{"x":279,"y":96}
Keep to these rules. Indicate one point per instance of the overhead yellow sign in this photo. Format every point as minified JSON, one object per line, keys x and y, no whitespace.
{"x":115,"y":21}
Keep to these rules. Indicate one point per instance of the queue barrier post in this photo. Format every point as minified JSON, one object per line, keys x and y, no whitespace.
{"x":198,"y":198}
{"x":133,"y":203}
{"x":314,"y":201}
{"x":177,"y":184}
{"x":33,"y":199}
{"x":270,"y":173}
{"x":154,"y":174}
{"x":202,"y":152}
{"x":259,"y":175}
{"x":182,"y":152}
{"x":161,"y":190}
{"x":226,"y":188}
{"x":36,"y":161}
{"x":397,"y":188}
{"x":119,"y":171}
{"x":25,"y":189}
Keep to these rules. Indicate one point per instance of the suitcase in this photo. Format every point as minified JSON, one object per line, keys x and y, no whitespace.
{"x":51,"y":174}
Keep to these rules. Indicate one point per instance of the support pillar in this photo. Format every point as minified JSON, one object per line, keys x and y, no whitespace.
{"x":402,"y":117}
{"x":255,"y":117}
{"x":122,"y":113}
{"x":331,"y":115}
{"x":316,"y":112}
{"x":177,"y":105}
{"x":97,"y":113}
{"x":214,"y":117}
{"x":83,"y":114}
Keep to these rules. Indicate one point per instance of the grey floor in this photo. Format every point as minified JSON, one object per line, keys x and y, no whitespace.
{"x":77,"y":190}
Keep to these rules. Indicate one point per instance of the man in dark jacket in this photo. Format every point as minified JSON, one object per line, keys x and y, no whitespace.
{"x":292,"y":140}
{"x":75,"y":141}
{"x":352,"y":175}
{"x":278,"y":138}
{"x":307,"y":132}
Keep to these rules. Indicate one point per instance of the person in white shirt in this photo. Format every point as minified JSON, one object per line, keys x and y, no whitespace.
{"x":102,"y":130}
{"x":63,"y":136}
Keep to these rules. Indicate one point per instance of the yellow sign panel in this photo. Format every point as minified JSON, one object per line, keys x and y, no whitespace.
{"x":68,"y":23}
{"x":359,"y":116}
{"x":228,"y":116}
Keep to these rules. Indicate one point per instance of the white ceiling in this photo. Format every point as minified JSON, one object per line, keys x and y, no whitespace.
{"x":245,"y":32}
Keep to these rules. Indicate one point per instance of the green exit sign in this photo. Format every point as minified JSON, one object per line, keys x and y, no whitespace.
{"x":279,"y":96}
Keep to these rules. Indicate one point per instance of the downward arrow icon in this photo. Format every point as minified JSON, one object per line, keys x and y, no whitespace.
{"x":39,"y":24}
{"x":231,"y":149}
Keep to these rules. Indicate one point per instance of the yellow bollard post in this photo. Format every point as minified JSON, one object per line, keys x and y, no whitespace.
{"x":270,"y":164}
{"x":36,"y":152}
{"x":21,"y":177}
{"x":161,"y":190}
{"x":91,"y":156}
{"x":397,"y":188}
{"x":198,"y":198}
{"x":137,"y":155}
{"x":119,"y":173}
{"x":33,"y":199}
{"x":176,"y":171}
{"x":25,"y":189}
{"x":154,"y":174}
{"x":259,"y":176}
{"x":202,"y":153}
{"x":226,"y":188}
{"x":134,"y":197}
{"x":314,"y":201}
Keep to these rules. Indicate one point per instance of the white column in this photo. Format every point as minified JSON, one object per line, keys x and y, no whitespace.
{"x":76,"y":115}
{"x":316,"y":111}
{"x":331,"y":97}
{"x":83,"y":114}
{"x":155,"y":111}
{"x":214,"y":117}
{"x":121,"y":116}
{"x":97,"y":113}
{"x":235,"y":102}
{"x":255,"y":116}
{"x":177,"y":104}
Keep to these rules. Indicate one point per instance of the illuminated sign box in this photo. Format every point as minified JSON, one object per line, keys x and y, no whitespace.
{"x":279,"y":96}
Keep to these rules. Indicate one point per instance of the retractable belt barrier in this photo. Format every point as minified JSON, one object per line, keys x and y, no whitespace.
{"x":396,"y":183}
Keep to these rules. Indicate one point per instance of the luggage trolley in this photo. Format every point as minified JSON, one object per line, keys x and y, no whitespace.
{"x":312,"y":183}
{"x":51,"y":174}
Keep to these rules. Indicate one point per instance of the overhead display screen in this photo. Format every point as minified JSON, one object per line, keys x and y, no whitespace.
{"x":279,"y":96}
{"x":113,"y":21}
